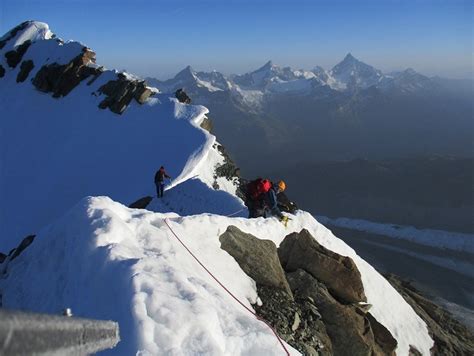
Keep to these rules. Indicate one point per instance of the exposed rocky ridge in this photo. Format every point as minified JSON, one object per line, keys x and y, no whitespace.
{"x":311,"y":319}
{"x":450,"y":336}
{"x":120,"y":93}
{"x":350,"y":329}
{"x":227,"y":169}
{"x":61,"y":79}
{"x":296,"y":321}
{"x":257,"y":258}
{"x":301,"y":250}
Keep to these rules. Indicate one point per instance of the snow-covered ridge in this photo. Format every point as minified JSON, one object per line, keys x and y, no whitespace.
{"x":56,"y":151}
{"x":162,"y":300}
{"x":107,"y":261}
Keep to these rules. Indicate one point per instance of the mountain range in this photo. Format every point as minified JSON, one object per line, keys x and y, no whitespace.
{"x":350,"y":75}
{"x":293,"y":124}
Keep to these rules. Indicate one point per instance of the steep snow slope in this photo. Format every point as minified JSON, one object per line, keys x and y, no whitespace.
{"x":107,"y":261}
{"x":56,"y":151}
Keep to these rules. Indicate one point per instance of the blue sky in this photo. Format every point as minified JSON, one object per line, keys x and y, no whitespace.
{"x":160,"y":37}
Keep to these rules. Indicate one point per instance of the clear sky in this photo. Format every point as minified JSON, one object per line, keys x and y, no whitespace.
{"x":160,"y":37}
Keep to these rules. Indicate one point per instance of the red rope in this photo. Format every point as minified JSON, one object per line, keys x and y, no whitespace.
{"x":228,"y":291}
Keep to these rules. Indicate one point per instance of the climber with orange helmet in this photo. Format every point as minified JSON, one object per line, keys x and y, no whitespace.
{"x":271,"y":207}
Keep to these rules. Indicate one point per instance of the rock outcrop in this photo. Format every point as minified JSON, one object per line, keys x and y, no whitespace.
{"x":227,"y":169}
{"x":338,"y":273}
{"x":61,"y":79}
{"x":450,"y":336}
{"x":349,"y":328}
{"x":297,"y":321}
{"x":304,"y":305}
{"x":182,"y":96}
{"x":14,"y":56}
{"x":119,"y":93}
{"x":141,"y":203}
{"x":257,"y":258}
{"x":25,"y":69}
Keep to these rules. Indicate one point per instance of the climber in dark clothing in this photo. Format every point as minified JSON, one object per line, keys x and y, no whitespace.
{"x":271,"y":207}
{"x":160,"y":181}
{"x":271,"y":202}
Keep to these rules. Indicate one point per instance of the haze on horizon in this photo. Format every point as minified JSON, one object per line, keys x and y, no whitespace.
{"x":160,"y":38}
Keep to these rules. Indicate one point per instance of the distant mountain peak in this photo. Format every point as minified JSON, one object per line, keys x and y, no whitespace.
{"x":350,"y":57}
{"x":267,"y":66}
{"x":186,"y":73}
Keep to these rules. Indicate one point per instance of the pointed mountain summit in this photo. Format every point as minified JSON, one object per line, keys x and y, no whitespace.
{"x":186,"y":74}
{"x":351,"y":73}
{"x":267,"y":66}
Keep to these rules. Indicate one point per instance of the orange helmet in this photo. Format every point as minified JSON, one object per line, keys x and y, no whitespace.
{"x":281,"y":185}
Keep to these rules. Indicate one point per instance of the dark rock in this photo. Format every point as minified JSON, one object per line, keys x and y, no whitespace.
{"x":2,"y":257}
{"x":13,"y":33}
{"x":206,"y":124}
{"x":450,"y":336}
{"x":413,"y":351}
{"x":294,"y":321}
{"x":349,"y":330}
{"x":383,"y":337}
{"x":25,"y":69}
{"x":257,"y":258}
{"x":61,"y":79}
{"x":14,"y":57}
{"x":141,"y":203}
{"x":2,"y":71}
{"x":142,"y":93}
{"x":182,"y":96}
{"x":27,"y":241}
{"x":298,"y":322}
{"x":338,"y":273}
{"x":120,"y":93}
{"x":228,"y":169}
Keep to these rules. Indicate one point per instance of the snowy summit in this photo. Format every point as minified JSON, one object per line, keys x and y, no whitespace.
{"x":79,"y":143}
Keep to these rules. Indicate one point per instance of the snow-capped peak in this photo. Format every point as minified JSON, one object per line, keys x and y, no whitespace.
{"x":352,"y":73}
{"x":27,"y":31}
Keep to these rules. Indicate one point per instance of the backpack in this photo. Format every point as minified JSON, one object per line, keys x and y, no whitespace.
{"x":258,"y":187}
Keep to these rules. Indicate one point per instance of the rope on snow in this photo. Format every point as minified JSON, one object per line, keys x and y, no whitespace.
{"x":227,"y":290}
